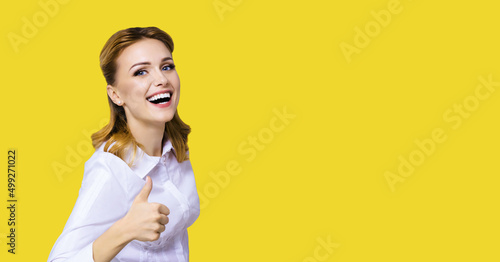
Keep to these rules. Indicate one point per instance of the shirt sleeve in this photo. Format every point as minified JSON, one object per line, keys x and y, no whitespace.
{"x":101,"y":202}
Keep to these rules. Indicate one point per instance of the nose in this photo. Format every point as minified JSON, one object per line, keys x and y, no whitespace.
{"x":160,"y":79}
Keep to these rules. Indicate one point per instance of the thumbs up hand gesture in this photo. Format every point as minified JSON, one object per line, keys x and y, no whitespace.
{"x":145,"y":221}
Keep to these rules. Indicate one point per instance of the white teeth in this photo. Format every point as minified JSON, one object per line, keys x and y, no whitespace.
{"x":158,"y":96}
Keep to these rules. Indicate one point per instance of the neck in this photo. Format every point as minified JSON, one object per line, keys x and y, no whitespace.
{"x":148,"y":135}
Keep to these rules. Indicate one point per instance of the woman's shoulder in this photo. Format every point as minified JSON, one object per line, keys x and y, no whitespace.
{"x":104,"y":166}
{"x":104,"y":161}
{"x":102,"y":157}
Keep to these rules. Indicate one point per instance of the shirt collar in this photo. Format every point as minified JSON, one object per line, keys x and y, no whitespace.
{"x":144,"y":163}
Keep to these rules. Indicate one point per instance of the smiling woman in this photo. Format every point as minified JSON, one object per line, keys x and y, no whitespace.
{"x":119,"y":215}
{"x":135,"y":73}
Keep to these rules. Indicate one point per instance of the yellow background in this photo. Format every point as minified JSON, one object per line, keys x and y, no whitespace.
{"x":321,"y":178}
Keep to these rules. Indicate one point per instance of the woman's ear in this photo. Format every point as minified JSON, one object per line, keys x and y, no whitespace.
{"x":113,"y":94}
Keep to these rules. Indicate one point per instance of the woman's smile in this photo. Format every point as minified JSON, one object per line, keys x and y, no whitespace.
{"x":161,"y":99}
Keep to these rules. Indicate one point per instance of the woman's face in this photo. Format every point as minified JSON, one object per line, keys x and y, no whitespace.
{"x":146,"y":83}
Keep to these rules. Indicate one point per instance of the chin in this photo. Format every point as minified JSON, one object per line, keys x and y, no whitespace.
{"x":168,"y":117}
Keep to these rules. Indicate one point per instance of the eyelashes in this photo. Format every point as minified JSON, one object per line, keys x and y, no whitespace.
{"x":141,"y":72}
{"x":172,"y":66}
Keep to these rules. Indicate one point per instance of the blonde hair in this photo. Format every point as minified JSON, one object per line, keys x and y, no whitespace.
{"x":117,"y":130}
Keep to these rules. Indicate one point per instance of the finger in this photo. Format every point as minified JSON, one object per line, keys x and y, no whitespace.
{"x":164,"y":210}
{"x":163,"y":219}
{"x":162,"y":228}
{"x":146,"y":190}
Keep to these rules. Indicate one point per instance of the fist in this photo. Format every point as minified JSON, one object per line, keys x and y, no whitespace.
{"x":145,"y":221}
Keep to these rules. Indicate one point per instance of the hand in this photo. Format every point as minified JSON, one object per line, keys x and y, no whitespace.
{"x":145,"y":221}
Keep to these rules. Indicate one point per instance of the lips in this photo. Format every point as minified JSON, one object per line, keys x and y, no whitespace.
{"x":161,"y":97}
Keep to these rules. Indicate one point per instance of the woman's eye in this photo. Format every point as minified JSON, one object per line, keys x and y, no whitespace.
{"x":139,"y":72}
{"x":168,"y":67}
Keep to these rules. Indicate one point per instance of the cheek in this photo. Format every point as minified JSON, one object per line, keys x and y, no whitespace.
{"x":175,"y":81}
{"x":134,"y":90}
{"x":177,"y":87}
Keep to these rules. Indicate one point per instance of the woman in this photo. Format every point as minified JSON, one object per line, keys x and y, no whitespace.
{"x":138,"y":194}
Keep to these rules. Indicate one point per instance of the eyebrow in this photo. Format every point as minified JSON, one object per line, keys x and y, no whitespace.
{"x":148,"y":63}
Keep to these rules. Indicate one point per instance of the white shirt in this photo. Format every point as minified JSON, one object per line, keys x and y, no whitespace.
{"x":109,"y":187}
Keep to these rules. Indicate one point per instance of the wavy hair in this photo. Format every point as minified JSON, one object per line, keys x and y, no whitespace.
{"x":117,"y":130}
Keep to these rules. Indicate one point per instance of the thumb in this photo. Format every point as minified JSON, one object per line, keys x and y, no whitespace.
{"x":146,"y":190}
